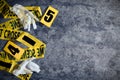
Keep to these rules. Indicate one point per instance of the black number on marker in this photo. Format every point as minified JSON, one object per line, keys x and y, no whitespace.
{"x":13,"y":49}
{"x":4,"y":64}
{"x":30,"y":41}
{"x":49,"y":16}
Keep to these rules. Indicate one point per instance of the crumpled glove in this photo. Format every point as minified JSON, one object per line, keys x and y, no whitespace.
{"x":27,"y":67}
{"x":25,"y":16}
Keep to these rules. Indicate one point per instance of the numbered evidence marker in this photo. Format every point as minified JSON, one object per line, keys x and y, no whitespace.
{"x":49,"y":16}
{"x":7,"y":65}
{"x":14,"y":50}
{"x":29,"y":40}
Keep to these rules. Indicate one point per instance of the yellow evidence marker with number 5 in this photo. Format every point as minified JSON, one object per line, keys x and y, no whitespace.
{"x":14,"y":50}
{"x":49,"y":16}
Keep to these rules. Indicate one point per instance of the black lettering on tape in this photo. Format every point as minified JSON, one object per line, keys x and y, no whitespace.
{"x":2,"y":26}
{"x":1,"y":32}
{"x":1,"y":3}
{"x":13,"y":50}
{"x":28,"y":54}
{"x":11,"y":14}
{"x":14,"y":24}
{"x":30,"y":41}
{"x":5,"y":9}
{"x":33,"y":53}
{"x":25,"y":76}
{"x":41,"y":50}
{"x":6,"y":33}
{"x":4,"y":64}
{"x":11,"y":34}
{"x":24,"y":55}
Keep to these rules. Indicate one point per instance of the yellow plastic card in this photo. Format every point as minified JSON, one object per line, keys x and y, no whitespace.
{"x":7,"y":65}
{"x":29,"y":40}
{"x":12,"y":24}
{"x":14,"y":50}
{"x":49,"y":16}
{"x":36,"y":10}
{"x":8,"y":34}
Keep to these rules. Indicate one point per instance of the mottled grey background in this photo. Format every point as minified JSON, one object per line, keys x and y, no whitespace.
{"x":83,"y":42}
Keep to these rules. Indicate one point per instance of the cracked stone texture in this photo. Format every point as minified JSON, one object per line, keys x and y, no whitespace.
{"x":83,"y":42}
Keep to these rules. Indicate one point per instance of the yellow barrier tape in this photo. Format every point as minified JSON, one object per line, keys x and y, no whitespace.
{"x":49,"y":16}
{"x":4,"y":7}
{"x":37,"y":52}
{"x":12,"y":24}
{"x":5,"y":55}
{"x":7,"y":65}
{"x":29,"y":40}
{"x":28,"y":53}
{"x":8,"y":34}
{"x":24,"y":76}
{"x":36,"y":10}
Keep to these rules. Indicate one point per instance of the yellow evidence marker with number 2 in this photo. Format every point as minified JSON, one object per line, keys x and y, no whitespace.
{"x":49,"y":16}
{"x":14,"y":50}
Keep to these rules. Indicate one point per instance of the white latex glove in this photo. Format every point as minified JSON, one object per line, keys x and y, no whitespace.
{"x":26,"y":17}
{"x":26,"y":67}
{"x":33,"y":67}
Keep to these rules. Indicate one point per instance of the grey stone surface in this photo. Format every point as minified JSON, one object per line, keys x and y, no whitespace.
{"x":83,"y":42}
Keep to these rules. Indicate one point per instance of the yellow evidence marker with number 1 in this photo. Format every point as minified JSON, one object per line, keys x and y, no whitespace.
{"x":29,"y":40}
{"x":49,"y":16}
{"x":14,"y":50}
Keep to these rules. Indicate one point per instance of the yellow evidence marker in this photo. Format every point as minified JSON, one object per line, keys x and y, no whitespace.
{"x":29,"y":40}
{"x":7,"y":65}
{"x":49,"y":16}
{"x":14,"y":50}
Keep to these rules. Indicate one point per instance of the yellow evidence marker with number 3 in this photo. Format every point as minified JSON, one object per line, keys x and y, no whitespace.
{"x":49,"y":16}
{"x":14,"y":50}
